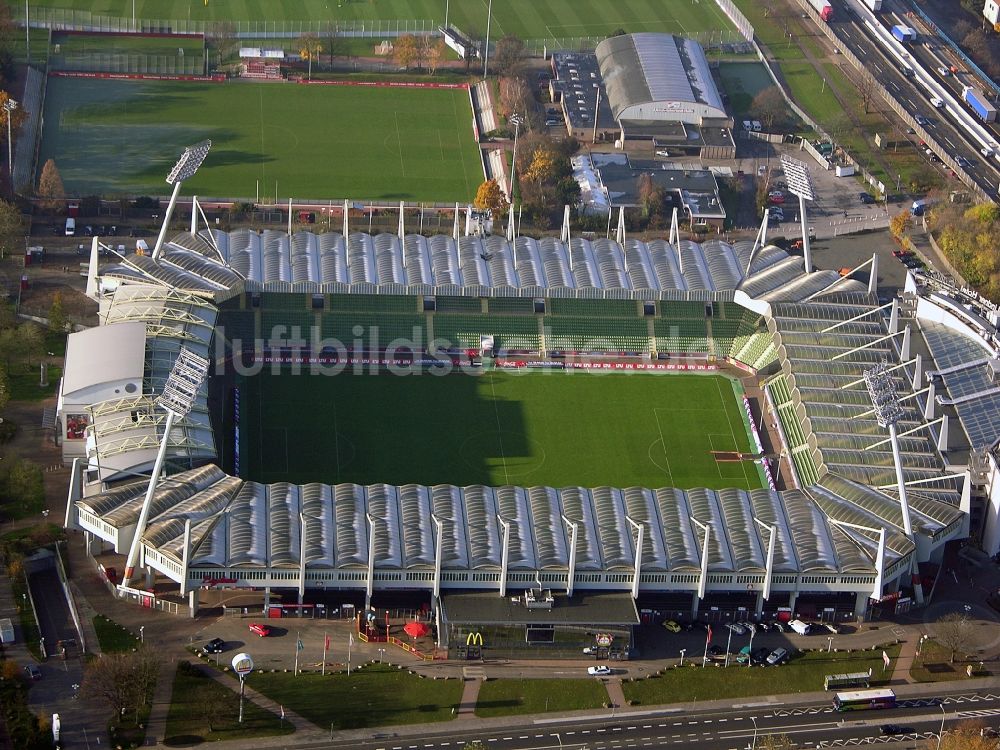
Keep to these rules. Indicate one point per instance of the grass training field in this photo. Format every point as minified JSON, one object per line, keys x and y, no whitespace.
{"x":305,"y":142}
{"x":527,"y":19}
{"x":125,"y":44}
{"x":498,"y":428}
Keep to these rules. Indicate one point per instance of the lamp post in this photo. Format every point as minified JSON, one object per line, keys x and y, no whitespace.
{"x":683,"y":651}
{"x":516,"y":119}
{"x":754,"y":745}
{"x":486,"y":46}
{"x":185,"y":168}
{"x":941,"y":730}
{"x":9,"y":106}
{"x":142,"y":637}
{"x":829,"y":643}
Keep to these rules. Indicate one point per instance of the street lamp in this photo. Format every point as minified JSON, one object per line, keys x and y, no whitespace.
{"x":829,"y":644}
{"x":9,"y":106}
{"x":683,"y":651}
{"x":486,"y":46}
{"x":142,"y":638}
{"x":754,"y":745}
{"x":515,"y":118}
{"x":941,"y":730}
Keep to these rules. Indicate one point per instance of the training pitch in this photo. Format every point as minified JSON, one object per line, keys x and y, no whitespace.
{"x":527,"y":19}
{"x":304,"y":142}
{"x":541,"y":428}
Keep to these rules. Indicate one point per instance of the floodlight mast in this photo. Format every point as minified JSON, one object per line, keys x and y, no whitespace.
{"x":882,"y":389}
{"x":185,"y":168}
{"x":177,"y":399}
{"x":800,"y":184}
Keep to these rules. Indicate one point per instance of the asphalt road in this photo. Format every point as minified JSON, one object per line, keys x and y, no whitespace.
{"x":718,"y":729}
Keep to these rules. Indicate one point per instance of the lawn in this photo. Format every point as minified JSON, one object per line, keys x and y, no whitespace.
{"x":524,"y":18}
{"x":112,"y":637}
{"x":202,"y":710}
{"x":934,"y":664}
{"x":377,"y":695}
{"x":545,"y":428}
{"x":306,"y":142}
{"x":510,"y":697}
{"x":126,"y":44}
{"x":803,"y":674}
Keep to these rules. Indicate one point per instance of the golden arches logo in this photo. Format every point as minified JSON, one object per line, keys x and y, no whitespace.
{"x":474,"y":639}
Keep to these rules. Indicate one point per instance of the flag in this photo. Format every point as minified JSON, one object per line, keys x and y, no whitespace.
{"x":282,"y":712}
{"x":326,"y":643}
{"x":708,"y":638}
{"x":350,"y":638}
{"x":298,"y":644}
{"x":885,"y":659}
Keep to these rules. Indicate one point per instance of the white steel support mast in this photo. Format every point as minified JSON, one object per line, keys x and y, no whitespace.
{"x":184,"y":169}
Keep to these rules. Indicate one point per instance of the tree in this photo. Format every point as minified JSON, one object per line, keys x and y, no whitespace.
{"x":4,"y":389}
{"x":968,"y":735}
{"x":57,"y":316}
{"x":900,"y":224}
{"x":12,"y":229}
{"x":16,"y":117}
{"x":955,"y":633}
{"x":515,"y":96}
{"x":124,"y":680}
{"x":405,"y":50}
{"x":310,"y":46}
{"x":436,"y":54}
{"x":542,"y":167}
{"x":50,"y":187}
{"x":867,"y":89}
{"x":651,"y":195}
{"x":769,"y":107}
{"x":775,"y":742}
{"x":226,"y":41}
{"x":508,"y":55}
{"x":490,"y":196}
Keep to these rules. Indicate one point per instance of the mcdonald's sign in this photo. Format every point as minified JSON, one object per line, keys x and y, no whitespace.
{"x":474,"y":639}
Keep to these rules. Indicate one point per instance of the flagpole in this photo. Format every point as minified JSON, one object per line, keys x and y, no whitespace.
{"x":297,"y":642}
{"x":326,"y":645}
{"x":729,"y":643}
{"x":708,"y":639}
{"x":350,"y":642}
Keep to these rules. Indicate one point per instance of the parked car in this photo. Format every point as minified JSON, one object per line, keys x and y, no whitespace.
{"x":716,"y":651}
{"x":776,"y":196}
{"x":779,"y":626}
{"x":672,"y":626}
{"x":759,"y":656}
{"x":599,"y":671}
{"x":260,"y":629}
{"x":33,"y":672}
{"x":831,"y":627}
{"x":778,"y":656}
{"x":866,"y":198}
{"x":764,"y":626}
{"x":214,"y":646}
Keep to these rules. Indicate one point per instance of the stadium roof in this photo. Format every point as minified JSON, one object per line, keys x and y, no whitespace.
{"x":662,"y":69}
{"x":236,"y":523}
{"x":104,"y":355}
{"x":492,"y":267}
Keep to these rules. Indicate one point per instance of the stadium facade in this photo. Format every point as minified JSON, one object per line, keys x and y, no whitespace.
{"x":840,"y":530}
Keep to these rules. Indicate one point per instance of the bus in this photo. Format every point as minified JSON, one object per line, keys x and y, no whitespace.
{"x":864,"y":699}
{"x":847,"y":681}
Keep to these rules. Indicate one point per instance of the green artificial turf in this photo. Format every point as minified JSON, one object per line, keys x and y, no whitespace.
{"x":544,"y":428}
{"x":298,"y":141}
{"x":527,"y":19}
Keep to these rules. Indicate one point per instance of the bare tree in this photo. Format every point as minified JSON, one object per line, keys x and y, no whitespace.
{"x":509,"y":55}
{"x":969,"y":735}
{"x":769,"y":107}
{"x":124,"y":680}
{"x":867,"y":89}
{"x":955,"y":632}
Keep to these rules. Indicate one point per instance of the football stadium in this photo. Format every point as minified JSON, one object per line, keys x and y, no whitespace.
{"x":528,"y":433}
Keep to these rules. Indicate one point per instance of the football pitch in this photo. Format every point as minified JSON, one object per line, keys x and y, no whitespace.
{"x":541,"y":428}
{"x":528,"y":19}
{"x":296,"y":141}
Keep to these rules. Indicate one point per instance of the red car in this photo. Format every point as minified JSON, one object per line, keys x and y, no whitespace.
{"x":776,"y":198}
{"x":259,"y":629}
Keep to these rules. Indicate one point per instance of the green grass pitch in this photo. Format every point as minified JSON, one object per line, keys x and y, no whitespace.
{"x":540,"y":428}
{"x":528,"y":19}
{"x":308,"y":142}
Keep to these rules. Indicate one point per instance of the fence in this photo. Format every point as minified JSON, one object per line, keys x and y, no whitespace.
{"x":146,"y":599}
{"x":743,"y":26}
{"x":728,"y":41}
{"x":65,"y":19}
{"x":26,"y":146}
{"x":138,"y":64}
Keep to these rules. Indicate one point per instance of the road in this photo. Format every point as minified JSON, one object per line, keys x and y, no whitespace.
{"x":716,"y":729}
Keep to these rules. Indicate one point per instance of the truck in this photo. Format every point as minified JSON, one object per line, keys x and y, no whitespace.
{"x":980,"y":104}
{"x":824,"y":9}
{"x":904,"y":33}
{"x":799,"y":627}
{"x":6,"y":631}
{"x":874,"y":5}
{"x":920,"y":206}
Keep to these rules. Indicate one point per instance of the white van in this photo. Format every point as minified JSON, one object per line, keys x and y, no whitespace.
{"x":70,"y":226}
{"x":802,"y":628}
